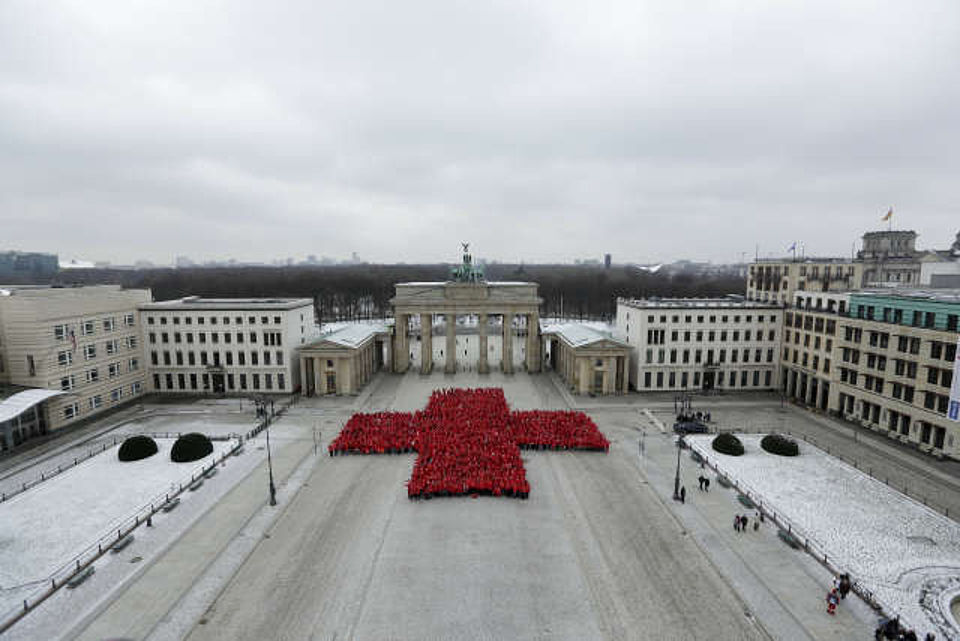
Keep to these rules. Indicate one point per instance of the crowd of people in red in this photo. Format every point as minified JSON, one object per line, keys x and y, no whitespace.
{"x":468,"y":441}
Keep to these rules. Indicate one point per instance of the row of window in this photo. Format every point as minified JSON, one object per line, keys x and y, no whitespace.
{"x":270,"y":358}
{"x":931,"y":400}
{"x":64,"y":331}
{"x":89,"y":351}
{"x":92,"y":375}
{"x":939,"y":350}
{"x":916,"y":318}
{"x":658,"y":336}
{"x":231,"y":382}
{"x":828,"y":343}
{"x":656,"y":380}
{"x":688,"y":318}
{"x":698,"y":355}
{"x":269,"y":338}
{"x":95,"y":402}
{"x":213,"y":320}
{"x":803,"y":359}
{"x":899,"y":422}
{"x":810,"y":323}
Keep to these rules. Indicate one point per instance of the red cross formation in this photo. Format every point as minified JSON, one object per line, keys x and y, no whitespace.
{"x":468,"y":441}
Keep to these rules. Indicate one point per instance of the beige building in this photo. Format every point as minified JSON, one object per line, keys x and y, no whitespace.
{"x":343,"y":361}
{"x":890,"y":258}
{"x":83,"y":341}
{"x":701,"y":343}
{"x":588,"y":361}
{"x":199,"y":345}
{"x":777,"y":280}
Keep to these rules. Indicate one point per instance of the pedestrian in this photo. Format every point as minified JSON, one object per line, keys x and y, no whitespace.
{"x":706,"y":484}
{"x":845,"y":585}
{"x":700,"y":483}
{"x":832,"y":600}
{"x":736,"y":522}
{"x":743,"y":523}
{"x":683,"y":495}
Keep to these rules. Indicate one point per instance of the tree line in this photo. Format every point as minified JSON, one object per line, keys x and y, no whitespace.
{"x":358,"y":292}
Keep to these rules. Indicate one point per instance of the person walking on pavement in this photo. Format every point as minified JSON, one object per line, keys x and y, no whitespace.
{"x":736,"y":522}
{"x":683,"y":495}
{"x":706,"y":484}
{"x":743,"y":523}
{"x":832,"y":600}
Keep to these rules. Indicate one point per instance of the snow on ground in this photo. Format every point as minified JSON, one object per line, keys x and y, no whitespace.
{"x":897,"y":548}
{"x":46,"y":526}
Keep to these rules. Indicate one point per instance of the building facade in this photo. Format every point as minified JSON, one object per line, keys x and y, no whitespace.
{"x":344,"y":360}
{"x":701,"y":344}
{"x":83,"y":341}
{"x":587,"y":360}
{"x":199,"y":345}
{"x":776,"y":280}
{"x":890,"y":258}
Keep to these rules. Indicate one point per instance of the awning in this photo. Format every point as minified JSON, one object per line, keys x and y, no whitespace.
{"x":15,"y":405}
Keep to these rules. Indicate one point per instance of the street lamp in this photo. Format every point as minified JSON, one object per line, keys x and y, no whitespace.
{"x":273,"y":488}
{"x":676,"y":479}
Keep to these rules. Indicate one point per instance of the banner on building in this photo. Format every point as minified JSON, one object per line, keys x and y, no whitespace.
{"x":954,"y":412}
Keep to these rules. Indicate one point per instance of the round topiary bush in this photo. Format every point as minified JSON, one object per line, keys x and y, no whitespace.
{"x":728,"y":444}
{"x":190,"y":447}
{"x":137,"y":448}
{"x":780,"y":445}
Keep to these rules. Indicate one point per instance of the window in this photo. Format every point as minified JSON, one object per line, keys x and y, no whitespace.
{"x":150,"y":320}
{"x":193,"y":381}
{"x":229,"y":358}
{"x":243,"y":381}
{"x":133,"y":365}
{"x":191,"y":358}
{"x":71,"y":411}
{"x":241,"y":358}
{"x":136,"y":388}
{"x":264,"y":320}
{"x":254,"y":361}
{"x":253,"y":337}
{"x":163,"y":320}
{"x":152,"y":338}
{"x":252,"y":320}
{"x":59,"y":332}
{"x":215,"y":338}
{"x":240,"y":337}
{"x":154,"y":360}
{"x":113,"y":370}
{"x":112,"y":347}
{"x":238,"y":320}
{"x":92,"y":375}
{"x":268,"y":381}
{"x":95,"y":402}
{"x":227,"y":336}
{"x":280,"y":383}
{"x":86,"y":328}
{"x":116,"y":393}
{"x":64,"y":358}
{"x":131,"y":342}
{"x":109,"y":324}
{"x":164,"y":337}
{"x":256,"y":381}
{"x":203,"y":337}
{"x":169,"y":381}
{"x":177,"y":337}
{"x":128,"y":320}
{"x":89,"y":352}
{"x":67,"y":383}
{"x":226,"y":320}
{"x":181,"y":381}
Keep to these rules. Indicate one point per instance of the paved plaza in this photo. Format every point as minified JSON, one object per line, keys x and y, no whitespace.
{"x":598,"y":551}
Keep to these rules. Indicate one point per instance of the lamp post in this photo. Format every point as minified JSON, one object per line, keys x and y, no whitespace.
{"x":676,"y":479}
{"x":273,"y":488}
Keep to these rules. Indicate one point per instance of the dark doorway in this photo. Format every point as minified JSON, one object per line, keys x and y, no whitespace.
{"x":218,"y":387}
{"x":331,"y":383}
{"x":708,"y":381}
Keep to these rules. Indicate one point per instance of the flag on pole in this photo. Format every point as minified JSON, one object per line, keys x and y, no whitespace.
{"x":792,"y":247}
{"x":888,"y":216}
{"x":73,"y":340}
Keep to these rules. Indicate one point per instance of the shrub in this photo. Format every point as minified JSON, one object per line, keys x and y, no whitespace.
{"x":728,"y":444}
{"x":190,"y":447}
{"x":137,"y":448}
{"x":780,"y":445}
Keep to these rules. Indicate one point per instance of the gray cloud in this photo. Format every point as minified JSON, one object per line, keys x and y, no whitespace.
{"x":539,"y":131}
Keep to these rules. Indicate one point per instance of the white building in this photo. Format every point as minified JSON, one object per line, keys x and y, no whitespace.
{"x":701,"y":344}
{"x":82,"y":341}
{"x":225,"y":345}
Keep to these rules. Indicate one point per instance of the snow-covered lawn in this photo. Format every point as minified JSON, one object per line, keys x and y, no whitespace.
{"x":46,"y":526}
{"x":905,"y":553}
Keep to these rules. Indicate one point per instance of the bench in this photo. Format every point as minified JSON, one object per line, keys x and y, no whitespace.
{"x":210,"y":473}
{"x":788,"y":538}
{"x":122,"y":543}
{"x":196,"y":485}
{"x":745,"y":501}
{"x":81,"y":576}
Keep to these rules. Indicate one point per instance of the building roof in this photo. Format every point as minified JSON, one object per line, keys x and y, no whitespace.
{"x":580,"y":335}
{"x":204,"y":304}
{"x":15,"y":405}
{"x":352,"y":334}
{"x":695,"y":303}
{"x":935,"y":295}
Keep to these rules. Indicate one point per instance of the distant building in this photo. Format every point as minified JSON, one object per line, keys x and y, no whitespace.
{"x":81,"y":343}
{"x":607,"y":258}
{"x":226,"y":345}
{"x":890,"y":258}
{"x":17,"y":265}
{"x":777,"y":280}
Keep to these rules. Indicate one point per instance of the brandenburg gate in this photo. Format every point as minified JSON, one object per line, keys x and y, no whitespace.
{"x":467,"y":293}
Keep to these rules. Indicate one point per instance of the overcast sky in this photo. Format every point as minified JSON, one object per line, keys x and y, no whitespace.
{"x":538,"y":131}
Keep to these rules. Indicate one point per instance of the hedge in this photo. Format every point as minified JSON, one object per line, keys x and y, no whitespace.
{"x":728,"y":444}
{"x":780,"y":445}
{"x":190,"y":447}
{"x":137,"y":448}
